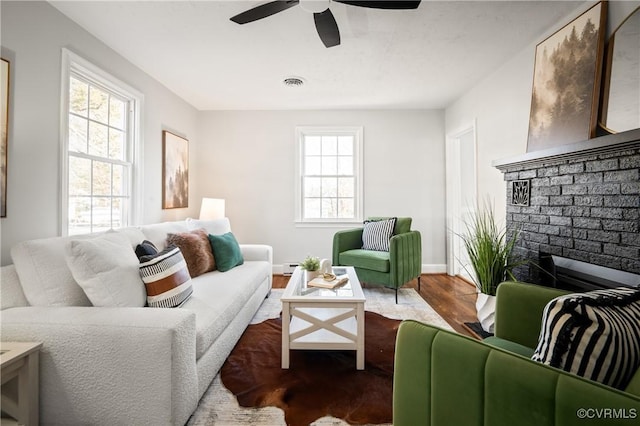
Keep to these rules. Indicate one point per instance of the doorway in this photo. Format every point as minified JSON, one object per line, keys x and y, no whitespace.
{"x":461,"y":188}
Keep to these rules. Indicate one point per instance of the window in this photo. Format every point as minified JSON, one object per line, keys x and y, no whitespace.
{"x":329,"y":181}
{"x":100,"y":171}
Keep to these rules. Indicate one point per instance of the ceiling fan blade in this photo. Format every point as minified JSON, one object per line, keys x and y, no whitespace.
{"x":263,"y":11}
{"x":389,"y":4}
{"x":327,"y":28}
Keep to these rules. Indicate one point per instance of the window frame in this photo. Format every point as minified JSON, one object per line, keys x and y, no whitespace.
{"x":75,"y":64}
{"x":358,"y":134}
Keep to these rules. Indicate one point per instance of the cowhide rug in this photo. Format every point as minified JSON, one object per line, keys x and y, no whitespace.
{"x":318,"y":383}
{"x":219,"y":406}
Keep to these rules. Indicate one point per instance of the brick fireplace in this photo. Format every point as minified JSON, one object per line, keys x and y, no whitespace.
{"x":580,"y":202}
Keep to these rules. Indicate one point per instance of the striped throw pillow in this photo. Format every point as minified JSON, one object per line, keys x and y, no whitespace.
{"x":166,"y":277}
{"x":595,"y":335}
{"x":377,"y":233}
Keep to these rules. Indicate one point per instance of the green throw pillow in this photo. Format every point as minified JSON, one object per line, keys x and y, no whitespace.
{"x":226,"y":251}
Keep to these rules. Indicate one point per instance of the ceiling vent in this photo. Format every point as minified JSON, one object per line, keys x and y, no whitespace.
{"x":293,"y":81}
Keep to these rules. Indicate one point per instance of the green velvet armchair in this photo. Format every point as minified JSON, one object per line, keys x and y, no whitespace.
{"x":443,"y":378}
{"x":393,"y":269}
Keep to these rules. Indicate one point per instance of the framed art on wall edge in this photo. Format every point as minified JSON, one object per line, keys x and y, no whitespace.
{"x":175,"y":171}
{"x":566,"y":82}
{"x":4,"y":128}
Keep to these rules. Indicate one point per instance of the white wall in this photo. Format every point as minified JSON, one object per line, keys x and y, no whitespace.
{"x":35,"y":32}
{"x":247,"y":157}
{"x":501,"y":104}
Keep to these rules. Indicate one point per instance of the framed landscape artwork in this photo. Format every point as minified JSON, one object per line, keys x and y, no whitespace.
{"x":566,"y":82}
{"x":175,"y":171}
{"x":4,"y":124}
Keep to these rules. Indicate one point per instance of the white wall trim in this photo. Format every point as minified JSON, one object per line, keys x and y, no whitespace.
{"x":453,"y":183}
{"x":71,"y":61}
{"x":435,"y":268}
{"x":358,"y":133}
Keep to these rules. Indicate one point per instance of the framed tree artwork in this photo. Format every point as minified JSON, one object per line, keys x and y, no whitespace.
{"x":566,"y":82}
{"x":4,"y":128}
{"x":175,"y":171}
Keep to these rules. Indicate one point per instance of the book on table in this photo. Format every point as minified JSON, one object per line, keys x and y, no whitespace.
{"x":324,"y":283}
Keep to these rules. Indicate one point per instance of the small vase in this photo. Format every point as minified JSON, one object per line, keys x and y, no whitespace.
{"x":309,"y":275}
{"x":486,"y":308}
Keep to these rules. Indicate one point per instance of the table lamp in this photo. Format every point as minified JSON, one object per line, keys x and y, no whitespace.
{"x":212,"y":208}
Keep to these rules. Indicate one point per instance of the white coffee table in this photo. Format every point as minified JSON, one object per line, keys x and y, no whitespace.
{"x":325,"y":319}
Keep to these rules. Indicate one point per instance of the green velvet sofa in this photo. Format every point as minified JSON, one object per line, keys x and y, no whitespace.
{"x":393,"y":269}
{"x":442,"y":378}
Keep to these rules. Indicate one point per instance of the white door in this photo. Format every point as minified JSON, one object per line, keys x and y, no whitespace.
{"x":461,"y":187}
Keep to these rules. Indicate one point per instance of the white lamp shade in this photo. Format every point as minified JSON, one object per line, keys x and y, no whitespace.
{"x":212,"y":208}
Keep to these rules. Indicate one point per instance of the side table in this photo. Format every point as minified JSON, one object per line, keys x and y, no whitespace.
{"x":21,"y":360}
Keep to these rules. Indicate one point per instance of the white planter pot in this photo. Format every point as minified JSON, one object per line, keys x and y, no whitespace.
{"x":486,"y":308}
{"x":309,"y":275}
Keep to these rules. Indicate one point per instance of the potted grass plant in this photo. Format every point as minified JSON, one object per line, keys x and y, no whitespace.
{"x":490,"y":251}
{"x":311,"y":267}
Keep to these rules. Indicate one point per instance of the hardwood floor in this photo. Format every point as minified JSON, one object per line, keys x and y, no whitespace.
{"x":451,"y":297}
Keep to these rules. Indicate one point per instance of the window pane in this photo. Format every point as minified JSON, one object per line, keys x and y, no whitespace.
{"x":79,"y":176}
{"x":116,"y":144}
{"x":345,"y":165}
{"x":329,"y":210}
{"x":345,"y":145}
{"x":79,"y":215}
{"x":329,"y":145}
{"x":77,"y":134}
{"x":312,"y":208}
{"x":117,"y":186}
{"x":312,"y":145}
{"x":78,"y":96}
{"x":345,"y":208}
{"x":117,"y":213}
{"x":101,"y":214}
{"x":312,"y":165}
{"x":98,"y":105}
{"x":312,"y":187}
{"x":329,"y":187}
{"x":98,"y":139}
{"x":116,"y":113}
{"x":329,"y":165}
{"x":101,"y":178}
{"x":345,"y":187}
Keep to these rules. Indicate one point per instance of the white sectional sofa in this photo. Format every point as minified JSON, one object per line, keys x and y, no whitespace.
{"x":127,"y":365}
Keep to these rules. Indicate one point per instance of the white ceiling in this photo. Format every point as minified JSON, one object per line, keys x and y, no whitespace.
{"x":423,"y":58}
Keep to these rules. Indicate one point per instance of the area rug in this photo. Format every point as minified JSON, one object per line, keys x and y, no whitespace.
{"x":220,"y":407}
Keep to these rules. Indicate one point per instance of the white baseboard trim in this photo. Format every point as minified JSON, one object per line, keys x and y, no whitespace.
{"x":426,"y":269}
{"x":434,"y":268}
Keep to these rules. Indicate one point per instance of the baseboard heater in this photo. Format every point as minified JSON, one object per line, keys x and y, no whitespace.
{"x":288,"y":268}
{"x":576,"y":275}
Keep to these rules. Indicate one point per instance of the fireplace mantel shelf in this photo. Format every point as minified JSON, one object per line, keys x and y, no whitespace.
{"x":602,"y":144}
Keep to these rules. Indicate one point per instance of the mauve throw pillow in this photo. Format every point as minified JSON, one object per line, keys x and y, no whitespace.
{"x":196,"y":250}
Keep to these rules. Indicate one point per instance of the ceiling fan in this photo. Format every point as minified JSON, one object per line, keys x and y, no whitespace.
{"x":325,"y":22}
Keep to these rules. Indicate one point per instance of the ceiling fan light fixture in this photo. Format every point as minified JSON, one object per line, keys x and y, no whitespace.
{"x":293,"y":82}
{"x":314,"y":6}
